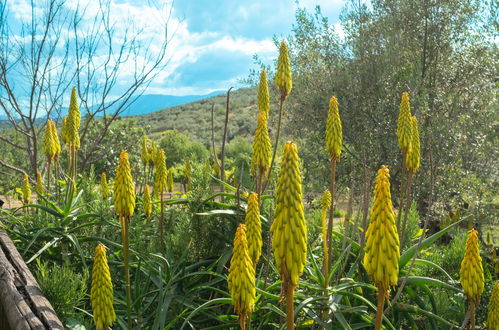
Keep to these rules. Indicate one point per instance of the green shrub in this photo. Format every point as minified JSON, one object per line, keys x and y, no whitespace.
{"x":65,"y":289}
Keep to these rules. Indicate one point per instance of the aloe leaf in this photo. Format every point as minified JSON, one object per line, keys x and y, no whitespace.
{"x":409,"y":253}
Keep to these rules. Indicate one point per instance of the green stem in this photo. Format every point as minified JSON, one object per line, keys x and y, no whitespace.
{"x":276,"y":143}
{"x":161,"y":222}
{"x":124,"y":233}
{"x":402,"y":189}
{"x":379,"y":309}
{"x":290,"y":307}
{"x":472,"y":315}
{"x":331,"y":217}
{"x":406,"y":211}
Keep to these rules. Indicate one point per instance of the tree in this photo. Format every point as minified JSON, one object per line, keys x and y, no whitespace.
{"x":440,"y":51}
{"x":58,"y":46}
{"x":178,"y":147}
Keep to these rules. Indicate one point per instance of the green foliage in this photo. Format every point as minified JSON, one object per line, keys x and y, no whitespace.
{"x":239,"y":157}
{"x":450,"y":255}
{"x":66,"y":290}
{"x":179,"y":146}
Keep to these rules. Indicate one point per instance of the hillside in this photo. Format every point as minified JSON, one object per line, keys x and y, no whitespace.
{"x":194,"y":119}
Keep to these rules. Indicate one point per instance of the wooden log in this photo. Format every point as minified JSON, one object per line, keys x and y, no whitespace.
{"x":21,"y":300}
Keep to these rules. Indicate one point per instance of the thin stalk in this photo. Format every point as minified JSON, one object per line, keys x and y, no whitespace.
{"x":143,"y":184}
{"x":365,"y":210}
{"x":407,"y":205}
{"x":222,"y":169}
{"x":276,"y":143}
{"x":56,"y":179}
{"x":472,"y":315}
{"x":161,"y":222}
{"x":259,"y":182}
{"x":379,"y":309}
{"x":402,"y":189}
{"x":290,"y":307}
{"x":124,"y":233}
{"x":325,"y":267}
{"x":48,"y":177}
{"x":331,"y":215}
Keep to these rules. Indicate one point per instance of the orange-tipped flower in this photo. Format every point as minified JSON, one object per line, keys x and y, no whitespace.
{"x":101,"y":295}
{"x":283,"y":78}
{"x":253,"y":228}
{"x":381,"y":259}
{"x":334,"y":134}
{"x":124,"y":188}
{"x":471,"y":273}
{"x":404,"y":126}
{"x":241,"y":278}
{"x":262,"y":148}
{"x":289,"y":228}
{"x":263,"y":94}
{"x":493,"y":316}
{"x":413,"y":159}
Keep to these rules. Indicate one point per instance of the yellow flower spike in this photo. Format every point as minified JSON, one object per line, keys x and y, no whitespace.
{"x":241,"y":279}
{"x":73,"y":121}
{"x":39,"y":184}
{"x":151,"y":154}
{"x":101,"y":294}
{"x":471,"y":272}
{"x":253,"y":228}
{"x":493,"y":316}
{"x":382,"y":254}
{"x":146,"y":201}
{"x":283,"y":78}
{"x":326,"y":199}
{"x":334,"y":134}
{"x":160,"y":177}
{"x":289,"y":229}
{"x":381,"y":258}
{"x":55,"y":140}
{"x":404,"y":126}
{"x":124,"y":188}
{"x":263,"y":94}
{"x":262,"y":148}
{"x":26,"y":189}
{"x":414,"y":154}
{"x":49,"y":147}
{"x":104,"y":187}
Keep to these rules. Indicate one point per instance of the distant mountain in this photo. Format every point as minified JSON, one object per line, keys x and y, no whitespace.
{"x":194,"y":118}
{"x":152,"y":102}
{"x":145,"y":104}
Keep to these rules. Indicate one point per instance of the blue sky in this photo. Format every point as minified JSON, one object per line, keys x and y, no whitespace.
{"x":214,"y":40}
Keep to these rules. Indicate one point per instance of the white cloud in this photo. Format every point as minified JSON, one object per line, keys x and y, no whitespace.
{"x":147,"y":20}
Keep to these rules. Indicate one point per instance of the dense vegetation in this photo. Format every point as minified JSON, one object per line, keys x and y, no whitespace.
{"x":171,"y":252}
